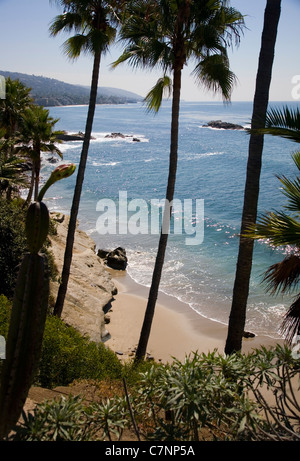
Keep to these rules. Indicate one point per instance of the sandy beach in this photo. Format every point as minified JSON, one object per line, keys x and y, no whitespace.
{"x":176,"y":330}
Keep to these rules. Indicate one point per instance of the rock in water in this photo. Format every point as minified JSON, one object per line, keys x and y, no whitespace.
{"x":223,"y":125}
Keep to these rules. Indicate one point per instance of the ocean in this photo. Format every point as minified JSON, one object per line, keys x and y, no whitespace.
{"x":127,"y":175}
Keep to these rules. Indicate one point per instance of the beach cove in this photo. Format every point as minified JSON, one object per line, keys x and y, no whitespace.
{"x":211,"y":170}
{"x":95,"y":289}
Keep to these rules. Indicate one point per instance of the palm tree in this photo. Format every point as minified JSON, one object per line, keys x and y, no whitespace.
{"x":167,"y":34}
{"x":11,"y":172}
{"x":282,"y":229}
{"x":17,"y":99}
{"x":93,"y":23}
{"x":37,"y":136}
{"x":237,"y":318}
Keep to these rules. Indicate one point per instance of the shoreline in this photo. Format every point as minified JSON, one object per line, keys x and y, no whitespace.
{"x":177,"y":330}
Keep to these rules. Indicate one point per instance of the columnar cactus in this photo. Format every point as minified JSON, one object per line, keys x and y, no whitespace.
{"x":28,"y":316}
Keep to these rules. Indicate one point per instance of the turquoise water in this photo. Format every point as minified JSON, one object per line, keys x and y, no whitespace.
{"x":211,"y":168}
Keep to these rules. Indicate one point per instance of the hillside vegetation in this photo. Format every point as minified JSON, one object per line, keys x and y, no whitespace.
{"x":50,"y":92}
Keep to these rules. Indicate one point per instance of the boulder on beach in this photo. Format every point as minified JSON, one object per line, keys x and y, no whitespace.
{"x":115,"y":259}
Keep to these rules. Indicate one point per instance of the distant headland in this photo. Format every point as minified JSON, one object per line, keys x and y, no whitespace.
{"x":49,"y":92}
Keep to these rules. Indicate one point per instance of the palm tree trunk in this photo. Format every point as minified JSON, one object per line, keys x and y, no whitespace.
{"x":30,"y":192}
{"x":37,"y":169}
{"x":156,"y":276}
{"x":78,"y":188}
{"x":237,"y":317}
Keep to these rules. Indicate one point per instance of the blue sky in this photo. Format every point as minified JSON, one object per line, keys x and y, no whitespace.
{"x":27,"y":47}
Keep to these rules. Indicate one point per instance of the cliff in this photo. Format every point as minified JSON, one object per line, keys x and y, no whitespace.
{"x":90,"y":286}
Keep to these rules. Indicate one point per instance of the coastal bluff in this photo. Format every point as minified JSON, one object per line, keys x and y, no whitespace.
{"x":90,"y":286}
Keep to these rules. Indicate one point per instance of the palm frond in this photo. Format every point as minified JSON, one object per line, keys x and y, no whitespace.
{"x":284,"y":123}
{"x":154,"y":98}
{"x":214,"y":74}
{"x":66,"y":22}
{"x":93,"y":25}
{"x":74,"y":46}
{"x":284,"y":275}
{"x":277,"y":227}
{"x":290,"y":326}
{"x":291,"y":189}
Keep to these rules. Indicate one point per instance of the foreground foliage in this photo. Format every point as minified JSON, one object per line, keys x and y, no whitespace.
{"x":205,"y":397}
{"x":66,"y":355}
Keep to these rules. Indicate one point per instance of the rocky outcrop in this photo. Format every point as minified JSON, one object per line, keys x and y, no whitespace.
{"x":116,"y":259}
{"x":122,"y":136}
{"x":90,"y":286}
{"x":115,"y":135}
{"x":223,"y":125}
{"x":71,"y":137}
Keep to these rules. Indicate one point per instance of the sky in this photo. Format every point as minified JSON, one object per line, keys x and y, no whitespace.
{"x":26,"y":47}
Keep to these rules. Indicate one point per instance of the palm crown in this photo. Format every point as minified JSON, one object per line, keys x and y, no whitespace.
{"x":91,"y":21}
{"x":167,"y":34}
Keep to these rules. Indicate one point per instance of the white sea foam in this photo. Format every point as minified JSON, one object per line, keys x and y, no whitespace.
{"x":94,"y":163}
{"x":193,"y":156}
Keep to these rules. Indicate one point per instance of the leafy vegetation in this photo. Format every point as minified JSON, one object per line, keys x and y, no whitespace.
{"x":12,"y":244}
{"x":205,"y":397}
{"x":67,"y":356}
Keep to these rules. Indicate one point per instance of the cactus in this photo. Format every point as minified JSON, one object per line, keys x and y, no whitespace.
{"x":24,"y":339}
{"x":28,"y":316}
{"x":37,"y":226}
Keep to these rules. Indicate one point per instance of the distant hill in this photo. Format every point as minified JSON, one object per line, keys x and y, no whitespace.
{"x":50,"y":92}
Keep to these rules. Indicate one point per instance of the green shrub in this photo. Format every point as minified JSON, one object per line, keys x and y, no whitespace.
{"x":59,"y":420}
{"x":12,"y":244}
{"x":5,"y":310}
{"x":205,"y":397}
{"x":67,"y":356}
